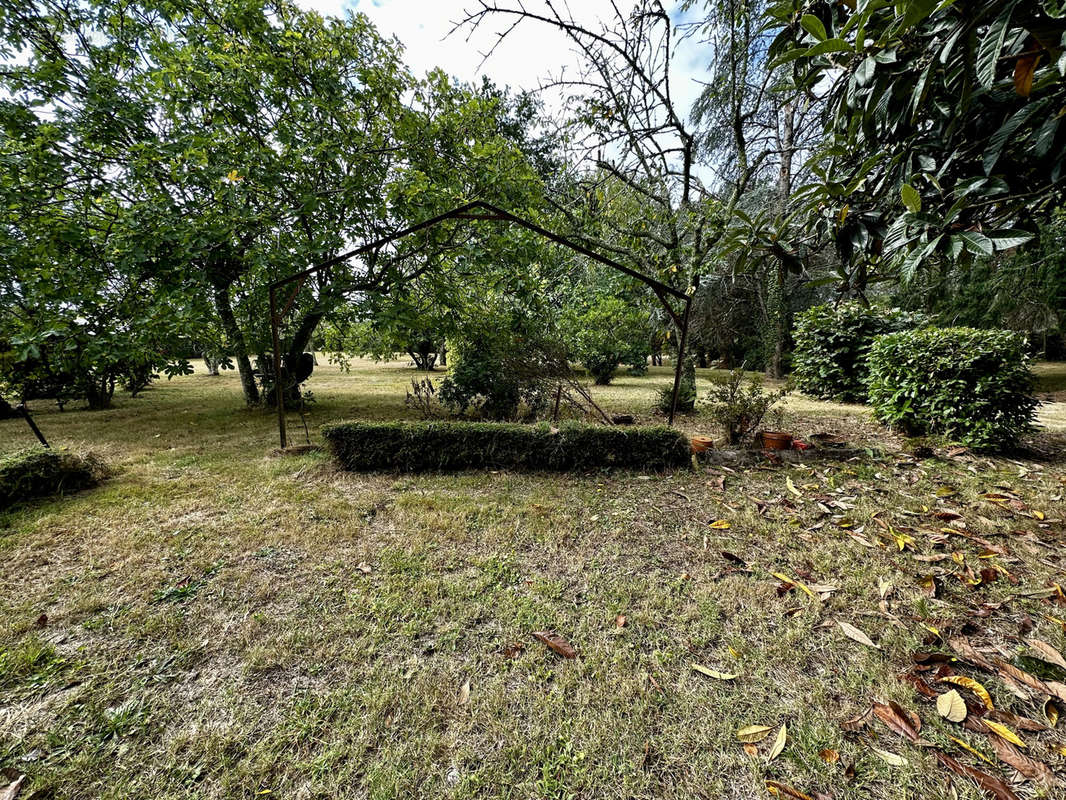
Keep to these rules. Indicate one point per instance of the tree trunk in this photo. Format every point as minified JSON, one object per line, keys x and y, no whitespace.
{"x":777,"y":301}
{"x":235,"y":340}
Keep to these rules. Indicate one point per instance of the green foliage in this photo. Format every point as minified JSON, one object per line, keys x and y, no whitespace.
{"x":944,"y":127}
{"x":608,"y":332}
{"x":971,"y":385}
{"x":686,"y":395}
{"x":416,"y":447}
{"x":739,"y":406}
{"x":37,"y":472}
{"x":833,"y":345}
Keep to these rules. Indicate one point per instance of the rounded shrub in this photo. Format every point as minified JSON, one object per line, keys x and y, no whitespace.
{"x":833,"y":346}
{"x":973,"y":386}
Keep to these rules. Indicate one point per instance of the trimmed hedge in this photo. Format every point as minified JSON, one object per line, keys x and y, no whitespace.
{"x":973,"y":386}
{"x":833,"y":345}
{"x":422,"y":446}
{"x":37,"y":472}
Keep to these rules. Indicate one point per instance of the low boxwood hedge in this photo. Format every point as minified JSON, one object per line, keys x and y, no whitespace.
{"x":422,"y":446}
{"x":37,"y":472}
{"x":973,"y":386}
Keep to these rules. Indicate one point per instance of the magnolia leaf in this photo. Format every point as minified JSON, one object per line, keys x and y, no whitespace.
{"x":779,"y":744}
{"x":713,"y":673}
{"x":855,"y":634}
{"x":753,"y":733}
{"x":973,"y":686}
{"x":951,"y":706}
{"x":778,"y":789}
{"x":1005,"y":732}
{"x":990,"y":783}
{"x":464,"y":693}
{"x":719,"y":525}
{"x":1046,"y":652}
{"x":556,"y":642}
{"x":911,"y":198}
{"x":792,"y":487}
{"x":889,"y":758}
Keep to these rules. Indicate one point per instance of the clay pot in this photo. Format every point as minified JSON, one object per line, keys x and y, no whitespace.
{"x":701,"y":444}
{"x":774,"y":440}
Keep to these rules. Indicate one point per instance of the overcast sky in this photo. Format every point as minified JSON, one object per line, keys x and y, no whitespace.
{"x":529,"y":55}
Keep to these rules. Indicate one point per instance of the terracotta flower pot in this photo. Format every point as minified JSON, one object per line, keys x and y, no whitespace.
{"x":774,"y":440}
{"x":701,"y":444}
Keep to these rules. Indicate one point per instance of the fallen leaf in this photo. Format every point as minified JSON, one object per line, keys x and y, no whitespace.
{"x":464,"y":693}
{"x":713,"y":673}
{"x":784,"y":790}
{"x":556,"y":642}
{"x":792,"y":487}
{"x":1047,"y":653}
{"x":719,"y":525}
{"x":1005,"y":732}
{"x":753,"y":733}
{"x":990,"y":783}
{"x":1051,"y":712}
{"x":973,"y":686}
{"x":829,"y":756}
{"x":782,"y":576}
{"x":779,"y":744}
{"x":855,"y":634}
{"x":896,"y":719}
{"x":751,"y":749}
{"x":969,"y":749}
{"x":620,"y":621}
{"x":857,"y":723}
{"x":42,"y":621}
{"x":951,"y":706}
{"x":893,"y":759}
{"x":11,"y":791}
{"x":1029,"y":767}
{"x":365,"y":568}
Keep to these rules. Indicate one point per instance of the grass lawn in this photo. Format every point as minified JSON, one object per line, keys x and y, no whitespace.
{"x":220,"y":621}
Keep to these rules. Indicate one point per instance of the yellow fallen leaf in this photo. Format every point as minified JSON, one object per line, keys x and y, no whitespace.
{"x":890,"y":758}
{"x":1060,"y":749}
{"x":1038,"y":514}
{"x":1051,"y":712}
{"x":969,"y":749}
{"x":973,"y":686}
{"x":855,"y":634}
{"x":1004,"y":732}
{"x":713,"y":673}
{"x":951,"y":706}
{"x":792,"y":487}
{"x":779,"y":744}
{"x":719,"y":525}
{"x":783,"y":577}
{"x":753,"y":733}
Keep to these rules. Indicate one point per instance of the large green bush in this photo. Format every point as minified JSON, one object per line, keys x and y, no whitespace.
{"x":37,"y":472}
{"x":421,"y":446}
{"x":833,"y":345}
{"x":971,"y":385}
{"x":610,"y":332}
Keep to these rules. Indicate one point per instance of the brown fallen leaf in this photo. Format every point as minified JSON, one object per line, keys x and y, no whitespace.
{"x":829,"y":756}
{"x":464,"y":693}
{"x":751,"y":749}
{"x":1047,"y":653}
{"x":856,"y":724}
{"x":896,"y":719}
{"x":11,"y":791}
{"x":556,"y":643}
{"x":968,"y":653}
{"x":1030,"y":768}
{"x":784,"y":790}
{"x":1010,"y":718}
{"x":620,"y":621}
{"x":990,"y":783}
{"x":855,"y":634}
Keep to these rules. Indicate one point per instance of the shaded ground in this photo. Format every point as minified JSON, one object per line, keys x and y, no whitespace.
{"x":219,"y":622}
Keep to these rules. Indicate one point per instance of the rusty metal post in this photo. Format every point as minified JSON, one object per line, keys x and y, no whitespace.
{"x":274,"y":322}
{"x":680,"y":359}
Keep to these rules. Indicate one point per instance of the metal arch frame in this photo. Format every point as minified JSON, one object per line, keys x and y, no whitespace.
{"x":467,"y":211}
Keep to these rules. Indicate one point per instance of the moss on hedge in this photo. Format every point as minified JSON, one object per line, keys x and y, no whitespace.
{"x":37,"y":472}
{"x":422,"y":446}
